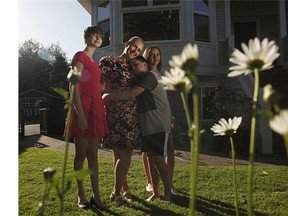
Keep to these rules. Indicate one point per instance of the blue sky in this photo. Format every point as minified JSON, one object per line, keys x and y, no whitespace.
{"x":53,"y":21}
{"x":47,"y":22}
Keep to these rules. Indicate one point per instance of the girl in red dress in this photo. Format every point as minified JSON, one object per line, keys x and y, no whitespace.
{"x":89,"y":123}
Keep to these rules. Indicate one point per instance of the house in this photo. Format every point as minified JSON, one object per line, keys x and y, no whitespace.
{"x":39,"y":107}
{"x":217,"y":27}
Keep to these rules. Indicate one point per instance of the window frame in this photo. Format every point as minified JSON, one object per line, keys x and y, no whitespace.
{"x":151,"y":8}
{"x":203,"y":14}
{"x":108,"y":17}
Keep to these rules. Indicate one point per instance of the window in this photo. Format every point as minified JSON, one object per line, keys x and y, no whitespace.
{"x":206,"y":98}
{"x":201,"y":20}
{"x":103,"y":17}
{"x":133,"y":3}
{"x":152,"y":26}
{"x":207,"y":95}
{"x":163,"y":2}
{"x":105,"y":26}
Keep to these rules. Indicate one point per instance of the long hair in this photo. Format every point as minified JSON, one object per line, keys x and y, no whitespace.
{"x":146,"y":55}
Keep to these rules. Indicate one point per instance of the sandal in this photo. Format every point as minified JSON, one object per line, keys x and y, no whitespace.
{"x":127,"y":195}
{"x":118,"y":199}
{"x":82,"y":205}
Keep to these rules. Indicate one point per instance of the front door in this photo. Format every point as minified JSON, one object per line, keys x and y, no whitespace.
{"x":243,"y":32}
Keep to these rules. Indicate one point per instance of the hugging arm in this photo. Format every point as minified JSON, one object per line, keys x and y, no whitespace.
{"x":124,"y":95}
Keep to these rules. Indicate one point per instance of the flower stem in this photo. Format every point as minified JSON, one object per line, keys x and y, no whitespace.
{"x":188,"y":118}
{"x":193,"y":134}
{"x":67,"y":138}
{"x":45,"y":196}
{"x":234,"y":175}
{"x":195,"y":150}
{"x":252,"y":145}
{"x":286,"y":144}
{"x":189,"y":124}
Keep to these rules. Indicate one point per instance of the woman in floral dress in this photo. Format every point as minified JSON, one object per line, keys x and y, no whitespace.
{"x":122,"y":117}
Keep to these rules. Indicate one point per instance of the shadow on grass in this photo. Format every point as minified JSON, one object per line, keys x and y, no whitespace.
{"x":27,"y":142}
{"x":33,"y":141}
{"x":203,"y":205}
{"x":216,"y":207}
{"x":98,"y":212}
{"x":151,"y":209}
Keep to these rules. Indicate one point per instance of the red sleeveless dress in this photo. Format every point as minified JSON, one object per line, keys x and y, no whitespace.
{"x":91,"y":99}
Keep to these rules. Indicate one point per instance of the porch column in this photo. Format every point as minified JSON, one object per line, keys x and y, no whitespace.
{"x":265,"y":144}
{"x":282,"y":19}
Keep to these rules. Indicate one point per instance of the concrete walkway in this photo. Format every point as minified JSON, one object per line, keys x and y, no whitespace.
{"x":33,"y":138}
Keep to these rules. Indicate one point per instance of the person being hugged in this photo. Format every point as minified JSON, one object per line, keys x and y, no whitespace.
{"x":122,"y":117}
{"x":154,"y":119}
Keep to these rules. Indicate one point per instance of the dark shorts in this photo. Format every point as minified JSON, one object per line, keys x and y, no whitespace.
{"x":155,"y":144}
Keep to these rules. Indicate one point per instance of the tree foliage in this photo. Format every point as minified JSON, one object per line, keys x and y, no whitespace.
{"x":42,"y":67}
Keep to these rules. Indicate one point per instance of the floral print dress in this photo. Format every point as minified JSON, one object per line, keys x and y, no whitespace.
{"x":121,"y":114}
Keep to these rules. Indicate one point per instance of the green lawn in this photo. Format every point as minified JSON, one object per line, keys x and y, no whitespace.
{"x":214,"y":189}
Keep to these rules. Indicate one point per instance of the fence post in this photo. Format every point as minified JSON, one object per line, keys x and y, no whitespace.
{"x":43,"y":120}
{"x":21,"y":123}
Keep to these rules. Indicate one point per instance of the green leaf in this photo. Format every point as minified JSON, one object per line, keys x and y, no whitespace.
{"x":263,"y":172}
{"x":80,"y":174}
{"x":266,"y":113}
{"x":62,"y":92}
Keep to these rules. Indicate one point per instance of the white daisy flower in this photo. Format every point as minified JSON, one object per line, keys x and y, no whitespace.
{"x":255,"y":55}
{"x":279,"y":123}
{"x":226,"y":128}
{"x":190,"y":52}
{"x":176,"y":80}
{"x":74,"y":76}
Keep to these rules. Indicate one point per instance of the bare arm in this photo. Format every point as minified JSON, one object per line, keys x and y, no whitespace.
{"x":102,"y":84}
{"x":124,"y":95}
{"x":82,"y":121}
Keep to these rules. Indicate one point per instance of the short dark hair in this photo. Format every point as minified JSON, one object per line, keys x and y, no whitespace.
{"x":92,"y":30}
{"x":139,"y":58}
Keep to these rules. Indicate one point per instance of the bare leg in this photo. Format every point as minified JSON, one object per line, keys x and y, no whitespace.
{"x":81,"y":146}
{"x":121,"y":169}
{"x":92,"y":157}
{"x":163,"y":170}
{"x":170,"y":159}
{"x":161,"y":166}
{"x":147,"y":167}
{"x":155,"y":180}
{"x":116,"y":156}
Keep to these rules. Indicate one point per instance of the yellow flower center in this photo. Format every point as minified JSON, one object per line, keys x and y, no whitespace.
{"x":180,"y":86}
{"x":255,"y":63}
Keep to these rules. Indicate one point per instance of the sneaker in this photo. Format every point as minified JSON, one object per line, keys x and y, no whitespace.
{"x":174,"y":191}
{"x":149,"y":187}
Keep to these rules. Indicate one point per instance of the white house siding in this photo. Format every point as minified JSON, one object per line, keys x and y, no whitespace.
{"x":221,"y":33}
{"x":213,"y":56}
